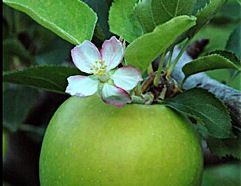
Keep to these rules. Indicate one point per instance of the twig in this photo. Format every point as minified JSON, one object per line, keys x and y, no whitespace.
{"x":230,"y":96}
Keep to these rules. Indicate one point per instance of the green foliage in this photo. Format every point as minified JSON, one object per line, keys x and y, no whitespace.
{"x":17,"y":103}
{"x":73,"y":20}
{"x":210,"y":62}
{"x":101,"y":8}
{"x":55,"y":53}
{"x":122,"y":20}
{"x":199,"y":5}
{"x":206,"y":14}
{"x":226,"y":77}
{"x":225,"y":147}
{"x":227,"y":174}
{"x":50,"y":78}
{"x":142,"y":51}
{"x":12,"y":47}
{"x":205,"y":108}
{"x":151,"y":28}
{"x":228,"y":55}
{"x":151,"y":13}
{"x":234,"y":41}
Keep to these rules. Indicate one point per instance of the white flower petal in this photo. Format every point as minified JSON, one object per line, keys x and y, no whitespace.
{"x":81,"y":86}
{"x":126,"y":77}
{"x":114,"y":96}
{"x":112,"y":52}
{"x":85,"y":55}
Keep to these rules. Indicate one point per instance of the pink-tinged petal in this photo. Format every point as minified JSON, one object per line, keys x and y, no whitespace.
{"x":112,"y":52}
{"x":81,"y":86}
{"x":85,"y":55}
{"x":127,"y":77}
{"x":115,"y":96}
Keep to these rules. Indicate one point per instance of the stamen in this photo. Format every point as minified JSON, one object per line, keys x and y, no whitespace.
{"x":99,"y":68}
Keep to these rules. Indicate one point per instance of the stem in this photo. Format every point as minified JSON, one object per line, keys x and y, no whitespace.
{"x":170,"y":69}
{"x":232,"y":77}
{"x":137,"y":99}
{"x":148,"y":83}
{"x":159,"y":71}
{"x":31,"y":128}
{"x":138,"y":90}
{"x":169,"y":58}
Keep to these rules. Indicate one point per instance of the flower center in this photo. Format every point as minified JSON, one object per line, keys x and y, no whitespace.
{"x":99,"y":69}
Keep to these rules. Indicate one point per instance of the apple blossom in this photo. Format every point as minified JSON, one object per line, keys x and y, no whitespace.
{"x":111,"y":84}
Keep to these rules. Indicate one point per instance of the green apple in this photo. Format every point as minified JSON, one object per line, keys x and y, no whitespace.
{"x":90,"y":143}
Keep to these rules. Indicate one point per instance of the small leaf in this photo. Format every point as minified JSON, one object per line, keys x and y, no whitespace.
{"x":122,"y":20}
{"x":142,"y":51}
{"x":234,"y":41}
{"x":50,"y":78}
{"x":228,"y":55}
{"x":205,"y":14}
{"x":152,"y":13}
{"x":101,"y":8}
{"x":199,"y":5}
{"x":211,"y":62}
{"x":72,"y":20}
{"x":205,"y":108}
{"x":17,"y":103}
{"x":225,"y":147}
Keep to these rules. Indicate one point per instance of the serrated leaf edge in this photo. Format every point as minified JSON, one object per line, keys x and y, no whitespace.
{"x":200,"y":120}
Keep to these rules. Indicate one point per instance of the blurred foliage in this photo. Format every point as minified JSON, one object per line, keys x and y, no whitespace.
{"x":27,"y":111}
{"x":25,"y":44}
{"x":222,"y":175}
{"x":219,"y":32}
{"x":4,"y":143}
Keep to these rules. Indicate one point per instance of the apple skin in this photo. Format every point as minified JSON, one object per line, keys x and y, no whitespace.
{"x":88,"y":142}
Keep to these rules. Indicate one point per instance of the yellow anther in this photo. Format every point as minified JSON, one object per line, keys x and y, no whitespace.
{"x":102,"y":61}
{"x":99,"y":69}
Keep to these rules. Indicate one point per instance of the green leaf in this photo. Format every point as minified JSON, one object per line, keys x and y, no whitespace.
{"x":72,"y":20}
{"x":234,"y":41}
{"x":144,"y":13}
{"x":225,"y":147}
{"x":142,"y":51}
{"x":55,"y":53}
{"x":17,"y":103}
{"x":205,"y":14}
{"x":205,"y":108}
{"x":102,"y":9}
{"x":228,"y":55}
{"x":211,"y":62}
{"x":199,"y":5}
{"x":12,"y":47}
{"x":233,"y":15}
{"x":151,"y":13}
{"x":222,"y":174}
{"x":122,"y":20}
{"x":50,"y":78}
{"x":227,"y":76}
